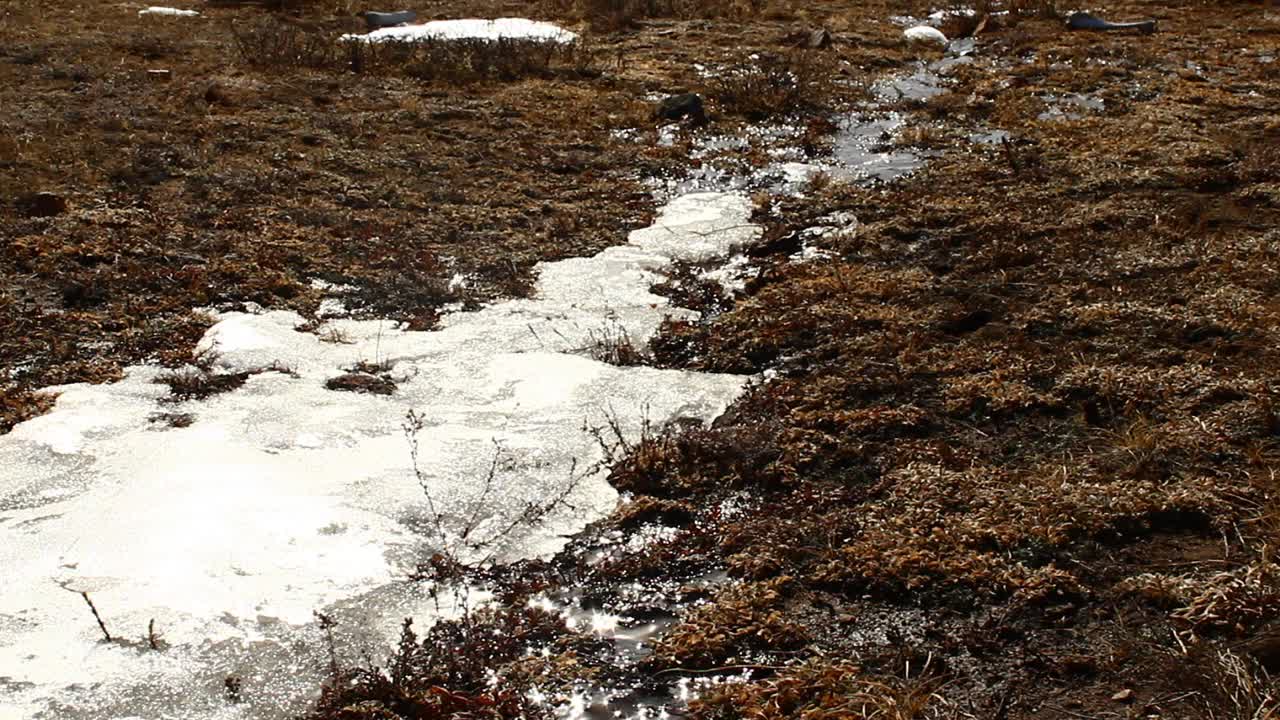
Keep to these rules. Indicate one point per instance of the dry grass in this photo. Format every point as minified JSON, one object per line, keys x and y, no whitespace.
{"x":737,"y":626}
{"x":447,"y":672}
{"x":793,"y":84}
{"x":614,"y":15}
{"x":824,"y":690}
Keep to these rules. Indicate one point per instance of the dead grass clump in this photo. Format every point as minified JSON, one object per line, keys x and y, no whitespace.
{"x":1224,"y":683}
{"x":269,"y":43}
{"x":1233,"y":602}
{"x":739,"y":623}
{"x":823,"y":690}
{"x":613,"y":345}
{"x":680,"y":461}
{"x":362,"y":382}
{"x":20,"y":405}
{"x":295,"y":7}
{"x":775,"y":85}
{"x":449,"y":672}
{"x":644,"y":509}
{"x":467,"y":61}
{"x":686,"y":286}
{"x":197,"y":384}
{"x":613,"y":15}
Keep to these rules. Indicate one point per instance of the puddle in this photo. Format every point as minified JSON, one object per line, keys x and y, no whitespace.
{"x":1070,"y":107}
{"x":989,"y":137}
{"x":283,"y":497}
{"x":864,"y":148}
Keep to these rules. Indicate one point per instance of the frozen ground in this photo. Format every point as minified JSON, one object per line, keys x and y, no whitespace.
{"x":283,"y":498}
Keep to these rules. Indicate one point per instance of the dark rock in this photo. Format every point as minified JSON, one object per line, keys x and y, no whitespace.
{"x":819,"y":38}
{"x":1086,"y":21}
{"x":679,"y":107}
{"x":78,"y":296}
{"x":378,"y":20}
{"x":967,"y":323}
{"x":1265,"y":650}
{"x":43,"y":204}
{"x":361,"y":382}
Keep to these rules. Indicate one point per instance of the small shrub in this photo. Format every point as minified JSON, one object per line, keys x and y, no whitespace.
{"x":271,"y":43}
{"x":196,"y":384}
{"x":679,"y":460}
{"x":470,"y":60}
{"x":823,"y":689}
{"x":741,"y":618}
{"x":449,"y":672}
{"x":610,"y":15}
{"x":775,"y":85}
{"x":614,"y":346}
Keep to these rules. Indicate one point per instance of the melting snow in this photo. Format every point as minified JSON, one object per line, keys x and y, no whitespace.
{"x":925,"y":35}
{"x":156,"y":10}
{"x":283,"y":497}
{"x":471,"y":29}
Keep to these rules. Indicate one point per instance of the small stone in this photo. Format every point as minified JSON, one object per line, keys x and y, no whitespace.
{"x":1124,"y":696}
{"x":678,"y":107}
{"x":44,"y":204}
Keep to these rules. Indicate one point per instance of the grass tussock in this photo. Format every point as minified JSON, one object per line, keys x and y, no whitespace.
{"x":613,"y":345}
{"x":272,"y":44}
{"x":21,"y":405}
{"x":448,"y":671}
{"x":738,"y":625}
{"x":613,"y":15}
{"x":470,"y":61}
{"x":824,"y":690}
{"x":778,"y":85}
{"x":679,"y":461}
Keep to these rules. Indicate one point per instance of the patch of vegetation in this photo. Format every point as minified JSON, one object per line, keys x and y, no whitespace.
{"x":613,"y":15}
{"x":823,"y":689}
{"x":449,"y":671}
{"x":613,"y":345}
{"x":777,"y":85}
{"x":197,"y":384}
{"x":737,"y":626}
{"x":19,"y":405}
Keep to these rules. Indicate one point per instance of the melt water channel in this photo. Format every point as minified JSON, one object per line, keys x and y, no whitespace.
{"x":223,"y":536}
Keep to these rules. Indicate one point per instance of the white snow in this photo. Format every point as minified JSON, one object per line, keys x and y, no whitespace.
{"x":283,"y":497}
{"x":925,"y":35}
{"x":157,"y":10}
{"x":470,"y":29}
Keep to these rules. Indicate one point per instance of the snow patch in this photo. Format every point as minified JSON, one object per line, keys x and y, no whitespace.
{"x":470,"y":29}
{"x":173,"y":12}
